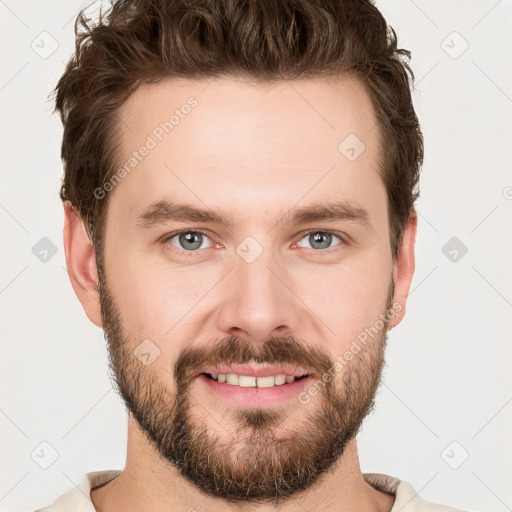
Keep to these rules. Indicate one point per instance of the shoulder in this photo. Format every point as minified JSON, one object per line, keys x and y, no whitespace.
{"x":78,"y":499}
{"x":406,"y":498}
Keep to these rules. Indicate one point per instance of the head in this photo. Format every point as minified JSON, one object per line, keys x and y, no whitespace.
{"x":282,"y":138}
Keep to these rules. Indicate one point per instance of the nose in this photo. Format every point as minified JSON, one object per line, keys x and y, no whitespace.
{"x":259,"y":301}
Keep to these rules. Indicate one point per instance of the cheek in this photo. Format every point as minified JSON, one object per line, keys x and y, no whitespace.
{"x":348,"y":299}
{"x":154,"y":305}
{"x":152,"y":295}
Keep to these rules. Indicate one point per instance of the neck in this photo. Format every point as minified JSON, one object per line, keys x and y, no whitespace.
{"x":150,"y":483}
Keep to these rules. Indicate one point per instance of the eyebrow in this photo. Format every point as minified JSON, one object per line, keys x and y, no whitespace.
{"x":163,"y":211}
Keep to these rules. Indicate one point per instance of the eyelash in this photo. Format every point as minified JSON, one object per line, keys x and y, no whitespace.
{"x":170,"y":236}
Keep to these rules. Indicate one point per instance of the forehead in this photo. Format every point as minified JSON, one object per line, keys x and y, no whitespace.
{"x":209,"y":139}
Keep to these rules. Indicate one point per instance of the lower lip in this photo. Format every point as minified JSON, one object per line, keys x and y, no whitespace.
{"x":255,"y":397}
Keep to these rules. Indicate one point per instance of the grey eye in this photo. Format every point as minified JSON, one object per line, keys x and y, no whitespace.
{"x":189,"y":240}
{"x":320,"y":239}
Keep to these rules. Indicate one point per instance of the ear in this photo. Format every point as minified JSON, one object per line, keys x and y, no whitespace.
{"x":81,"y":264}
{"x":403,"y":269}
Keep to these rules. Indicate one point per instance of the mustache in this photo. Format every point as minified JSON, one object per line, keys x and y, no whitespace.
{"x":233,"y":350}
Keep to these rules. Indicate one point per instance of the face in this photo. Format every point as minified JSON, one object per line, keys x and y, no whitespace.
{"x":294,"y":293}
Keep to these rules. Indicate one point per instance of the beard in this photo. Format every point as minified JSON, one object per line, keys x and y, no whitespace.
{"x":257,"y":460}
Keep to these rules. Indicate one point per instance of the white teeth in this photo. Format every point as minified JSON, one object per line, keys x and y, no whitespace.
{"x":246,"y":381}
{"x":266,"y":382}
{"x":249,"y":381}
{"x":280,"y":379}
{"x":232,"y":378}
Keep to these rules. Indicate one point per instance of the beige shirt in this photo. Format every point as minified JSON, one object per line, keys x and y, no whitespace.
{"x":406,"y":499}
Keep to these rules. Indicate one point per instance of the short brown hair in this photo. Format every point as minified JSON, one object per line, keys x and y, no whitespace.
{"x":143,"y":41}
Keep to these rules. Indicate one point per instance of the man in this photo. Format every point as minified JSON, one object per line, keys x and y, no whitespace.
{"x":279,"y":140}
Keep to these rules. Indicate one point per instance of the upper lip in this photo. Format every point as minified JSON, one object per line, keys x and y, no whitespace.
{"x":257,"y":371}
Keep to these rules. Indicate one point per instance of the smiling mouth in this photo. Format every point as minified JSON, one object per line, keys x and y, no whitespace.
{"x":251,"y":381}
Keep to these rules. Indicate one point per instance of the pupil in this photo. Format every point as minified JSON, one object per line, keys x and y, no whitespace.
{"x":191,"y":238}
{"x":318,"y":238}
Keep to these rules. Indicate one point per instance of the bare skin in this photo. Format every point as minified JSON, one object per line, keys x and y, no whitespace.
{"x":256,"y":152}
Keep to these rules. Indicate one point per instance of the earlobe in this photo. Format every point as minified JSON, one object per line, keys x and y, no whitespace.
{"x":403,"y":270}
{"x":81,"y":264}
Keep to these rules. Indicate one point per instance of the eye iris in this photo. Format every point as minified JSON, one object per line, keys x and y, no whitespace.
{"x":191,"y":237}
{"x":318,"y":236}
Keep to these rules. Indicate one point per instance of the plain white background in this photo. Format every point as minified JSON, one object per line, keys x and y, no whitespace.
{"x":444,"y":410}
